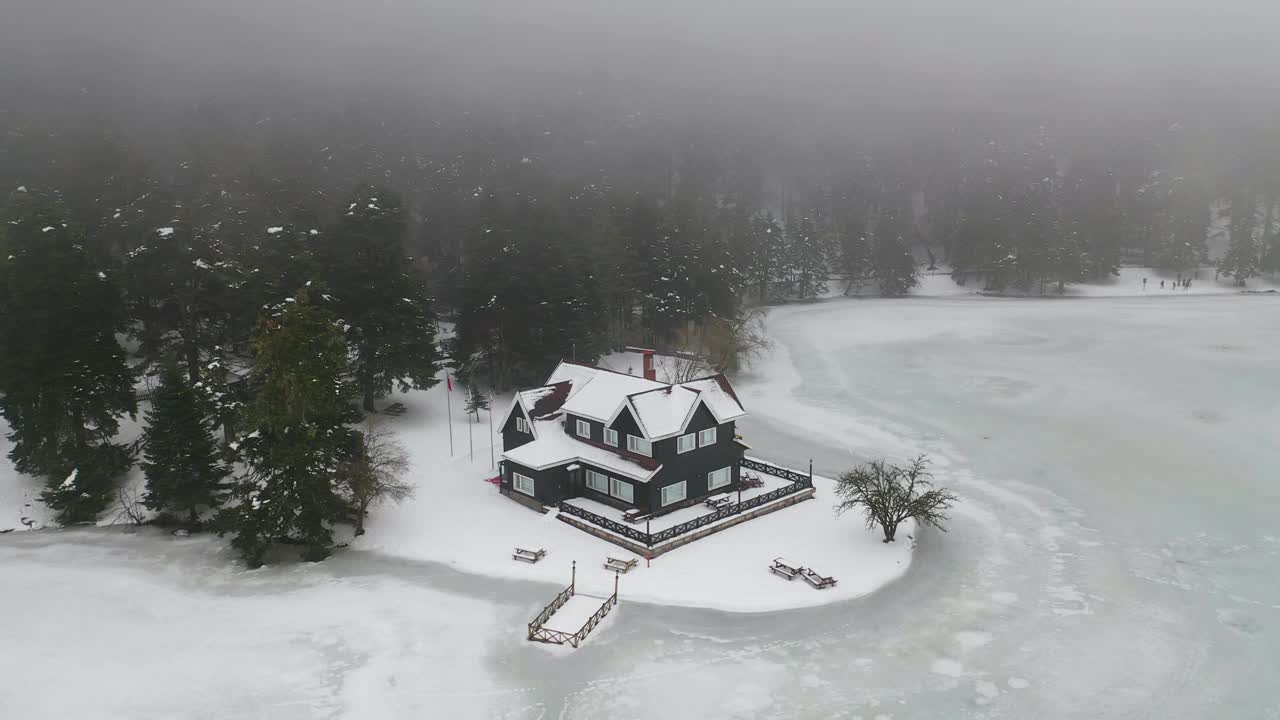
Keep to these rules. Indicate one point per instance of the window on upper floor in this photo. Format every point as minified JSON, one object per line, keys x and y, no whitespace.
{"x":611,"y":437}
{"x":522,"y":425}
{"x":685,"y":443}
{"x":584,"y":429}
{"x":707,"y":437}
{"x":640,"y":446}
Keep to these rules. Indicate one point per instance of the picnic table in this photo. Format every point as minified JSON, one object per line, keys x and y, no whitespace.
{"x":785,"y":568}
{"x":634,"y":515}
{"x":816,"y":579}
{"x":529,"y":556}
{"x":619,"y":565}
{"x":719,"y":501}
{"x":750,"y":480}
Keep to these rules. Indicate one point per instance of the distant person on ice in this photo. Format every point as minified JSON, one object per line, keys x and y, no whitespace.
{"x":1161,"y":284}
{"x":1144,"y":284}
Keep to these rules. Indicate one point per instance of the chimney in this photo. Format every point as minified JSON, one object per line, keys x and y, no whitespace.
{"x":649,"y":372}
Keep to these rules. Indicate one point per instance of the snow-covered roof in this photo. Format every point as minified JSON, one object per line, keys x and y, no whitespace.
{"x":719,"y":397}
{"x":554,"y":447}
{"x":663,"y":411}
{"x":596,"y":393}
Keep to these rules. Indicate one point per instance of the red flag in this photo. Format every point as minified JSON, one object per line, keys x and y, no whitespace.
{"x":448,"y":382}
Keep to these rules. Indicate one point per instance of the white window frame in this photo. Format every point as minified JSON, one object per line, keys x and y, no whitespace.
{"x":727,"y":474}
{"x":522,"y":425}
{"x":639,"y":445}
{"x":707,"y":437}
{"x":611,"y":437}
{"x":622,"y":490}
{"x":518,"y":481}
{"x":604,"y":480}
{"x":668,"y":493}
{"x":686,"y":443}
{"x":583,"y":429}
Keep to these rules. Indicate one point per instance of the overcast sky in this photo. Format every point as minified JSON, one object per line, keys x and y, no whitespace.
{"x":819,"y":60}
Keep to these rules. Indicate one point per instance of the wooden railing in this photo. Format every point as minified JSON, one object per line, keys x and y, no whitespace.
{"x":798,"y":482}
{"x":613,"y":526}
{"x":536,"y":631}
{"x":559,"y":637}
{"x":794,"y":476}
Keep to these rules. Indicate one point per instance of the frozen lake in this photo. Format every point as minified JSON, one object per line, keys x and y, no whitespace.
{"x":1117,"y":554}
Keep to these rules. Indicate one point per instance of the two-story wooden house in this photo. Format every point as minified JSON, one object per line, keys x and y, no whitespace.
{"x":628,"y":441}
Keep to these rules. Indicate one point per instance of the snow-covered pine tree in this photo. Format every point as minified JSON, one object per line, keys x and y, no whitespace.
{"x":63,"y":378}
{"x":182,"y":462}
{"x":179,"y":283}
{"x":893,"y":266}
{"x":1241,"y":261}
{"x":298,"y":437}
{"x":808,"y":257}
{"x":476,"y":401}
{"x":380,"y":294}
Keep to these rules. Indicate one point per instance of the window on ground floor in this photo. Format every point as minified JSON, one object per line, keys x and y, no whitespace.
{"x":598,"y":481}
{"x":685,"y":443}
{"x":622,"y":490}
{"x":611,"y":437}
{"x":719,"y":478}
{"x":522,"y":483}
{"x":674,"y":493}
{"x":639,"y":445}
{"x":584,"y":429}
{"x":707,"y":437}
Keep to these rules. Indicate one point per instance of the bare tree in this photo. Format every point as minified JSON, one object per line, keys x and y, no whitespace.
{"x":130,"y":509}
{"x":377,"y":473}
{"x":732,"y":342}
{"x":889,"y":494}
{"x":683,"y":367}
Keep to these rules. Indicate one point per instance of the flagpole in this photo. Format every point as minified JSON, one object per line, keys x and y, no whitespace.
{"x":490,"y":411}
{"x":448,"y":405}
{"x":471,"y":444}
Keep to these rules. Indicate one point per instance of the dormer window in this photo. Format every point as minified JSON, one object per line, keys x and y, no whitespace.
{"x":639,"y":446}
{"x":522,"y":425}
{"x":583,"y":429}
{"x":611,"y":437}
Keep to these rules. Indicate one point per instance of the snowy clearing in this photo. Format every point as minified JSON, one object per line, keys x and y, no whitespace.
{"x":458,"y":519}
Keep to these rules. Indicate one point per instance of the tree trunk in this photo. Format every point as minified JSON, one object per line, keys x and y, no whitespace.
{"x":889,"y":532}
{"x":368,"y":400}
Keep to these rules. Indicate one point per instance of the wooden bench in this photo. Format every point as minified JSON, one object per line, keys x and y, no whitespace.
{"x":619,"y":565}
{"x":394,"y":409}
{"x":818,"y":581}
{"x":634,"y":515}
{"x":785,"y":568}
{"x":529,"y":556}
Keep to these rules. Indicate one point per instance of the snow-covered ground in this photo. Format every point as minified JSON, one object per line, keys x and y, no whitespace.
{"x":1115,"y":553}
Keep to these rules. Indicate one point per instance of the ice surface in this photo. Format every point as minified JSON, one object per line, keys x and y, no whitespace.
{"x":575,"y":613}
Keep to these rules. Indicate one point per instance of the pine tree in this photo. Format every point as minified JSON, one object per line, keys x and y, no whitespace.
{"x":476,"y":401}
{"x":63,"y":378}
{"x":1270,"y":262}
{"x":182,"y":464}
{"x":299,"y":434}
{"x":893,"y":266}
{"x":808,"y":257}
{"x":380,"y":294}
{"x":1241,"y":260}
